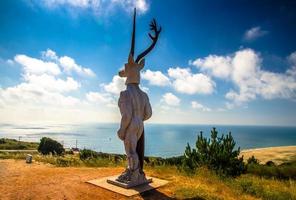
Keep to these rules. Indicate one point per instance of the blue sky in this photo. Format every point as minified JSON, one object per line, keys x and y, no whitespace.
{"x":221,"y":62}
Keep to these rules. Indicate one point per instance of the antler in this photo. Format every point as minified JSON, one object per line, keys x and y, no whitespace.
{"x":133,"y":35}
{"x":153,"y":27}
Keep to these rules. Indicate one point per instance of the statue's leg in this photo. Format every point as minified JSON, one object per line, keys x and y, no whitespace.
{"x":130,"y":145}
{"x":140,"y":150}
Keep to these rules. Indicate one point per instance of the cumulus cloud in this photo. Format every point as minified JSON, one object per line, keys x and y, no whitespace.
{"x":115,"y":86}
{"x":49,"y":54}
{"x":48,"y":93}
{"x":101,"y":98}
{"x":155,"y":78}
{"x":69,"y":65}
{"x":199,"y":106}
{"x":97,"y":6}
{"x":51,"y":83}
{"x":37,"y":66}
{"x":184,"y":81}
{"x":31,"y":94}
{"x":51,"y":64}
{"x":170,"y":99}
{"x":254,"y":33}
{"x":244,"y":70}
{"x":42,"y":83}
{"x":219,"y":66}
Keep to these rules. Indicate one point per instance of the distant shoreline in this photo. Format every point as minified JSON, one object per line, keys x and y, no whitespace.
{"x":277,"y":154}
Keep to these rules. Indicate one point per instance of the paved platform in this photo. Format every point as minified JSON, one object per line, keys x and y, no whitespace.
{"x":102,"y":182}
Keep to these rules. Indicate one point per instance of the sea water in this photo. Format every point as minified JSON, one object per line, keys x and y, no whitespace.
{"x":162,"y":140}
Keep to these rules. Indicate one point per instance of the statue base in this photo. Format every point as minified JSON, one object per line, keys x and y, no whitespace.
{"x":104,"y":182}
{"x":129,"y":184}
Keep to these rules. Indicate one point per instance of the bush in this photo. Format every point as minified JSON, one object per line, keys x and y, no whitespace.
{"x":259,"y":190}
{"x":48,"y":145}
{"x":87,"y":153}
{"x":12,"y":144}
{"x":216,"y":153}
{"x":253,"y":160}
{"x":2,"y":141}
{"x":283,"y":171}
{"x":270,"y":163}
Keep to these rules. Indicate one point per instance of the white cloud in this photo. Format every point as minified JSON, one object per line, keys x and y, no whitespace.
{"x":28,"y":94}
{"x":254,"y":33}
{"x":98,"y":6}
{"x":72,"y":3}
{"x":219,"y":66}
{"x":115,"y":86}
{"x":36,"y":66}
{"x":10,"y":62}
{"x":101,"y":98}
{"x":155,"y":78}
{"x":70,"y":65}
{"x":49,"y":54}
{"x":98,"y":97}
{"x":141,"y":5}
{"x":292,"y":58}
{"x":170,"y":99}
{"x":48,"y":94}
{"x":243,"y":68}
{"x":186,"y":82}
{"x":145,"y":89}
{"x":50,"y":83}
{"x":196,"y":105}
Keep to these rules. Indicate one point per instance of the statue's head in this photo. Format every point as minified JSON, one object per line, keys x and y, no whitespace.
{"x":133,"y":67}
{"x":132,"y":70}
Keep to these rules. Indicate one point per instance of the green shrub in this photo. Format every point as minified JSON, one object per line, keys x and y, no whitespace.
{"x":48,"y":145}
{"x":87,"y":153}
{"x":283,"y":171}
{"x":253,"y":160}
{"x":12,"y":144}
{"x":257,"y":189}
{"x":216,"y":153}
{"x":270,"y":163}
{"x":2,"y":141}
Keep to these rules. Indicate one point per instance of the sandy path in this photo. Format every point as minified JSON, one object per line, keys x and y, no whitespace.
{"x":19,"y":180}
{"x":275,"y":154}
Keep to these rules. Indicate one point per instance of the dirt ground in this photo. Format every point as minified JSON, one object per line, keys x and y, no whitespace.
{"x":19,"y":180}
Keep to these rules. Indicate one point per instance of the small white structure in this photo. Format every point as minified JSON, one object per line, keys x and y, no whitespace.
{"x":29,"y":158}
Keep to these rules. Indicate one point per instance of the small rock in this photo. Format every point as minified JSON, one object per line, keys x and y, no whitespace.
{"x":29,"y":158}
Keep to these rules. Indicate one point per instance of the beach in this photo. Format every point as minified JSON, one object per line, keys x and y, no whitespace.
{"x":276,"y":154}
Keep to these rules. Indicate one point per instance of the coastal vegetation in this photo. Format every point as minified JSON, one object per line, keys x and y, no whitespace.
{"x":216,"y":153}
{"x":12,"y":144}
{"x":50,"y":146}
{"x":212,"y":170}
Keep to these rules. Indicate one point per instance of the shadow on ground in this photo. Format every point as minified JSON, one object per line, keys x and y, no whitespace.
{"x":154,"y":194}
{"x":157,"y":195}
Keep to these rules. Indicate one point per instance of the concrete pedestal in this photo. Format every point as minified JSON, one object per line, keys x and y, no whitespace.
{"x":123,"y":190}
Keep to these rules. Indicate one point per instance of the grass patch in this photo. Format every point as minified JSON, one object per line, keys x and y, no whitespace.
{"x":67,"y":160}
{"x":200,"y":184}
{"x":12,"y":155}
{"x":269,"y":189}
{"x":12,"y":144}
{"x":284,"y":171}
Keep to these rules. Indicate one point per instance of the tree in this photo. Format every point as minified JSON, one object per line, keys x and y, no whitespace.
{"x":216,"y":153}
{"x":48,"y":145}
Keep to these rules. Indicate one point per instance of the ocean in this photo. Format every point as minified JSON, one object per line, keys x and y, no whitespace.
{"x":164,"y":140}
